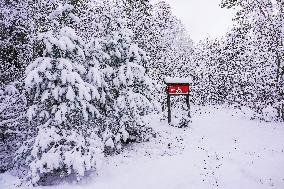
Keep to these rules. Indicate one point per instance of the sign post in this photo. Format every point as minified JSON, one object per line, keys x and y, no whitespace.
{"x":177,"y":87}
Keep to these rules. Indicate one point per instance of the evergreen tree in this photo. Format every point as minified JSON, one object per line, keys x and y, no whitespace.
{"x":60,"y":105}
{"x":16,"y":38}
{"x":13,"y":125}
{"x":258,"y":25}
{"x":117,"y":64}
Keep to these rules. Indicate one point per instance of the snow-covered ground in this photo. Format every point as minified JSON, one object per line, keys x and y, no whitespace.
{"x":223,"y":149}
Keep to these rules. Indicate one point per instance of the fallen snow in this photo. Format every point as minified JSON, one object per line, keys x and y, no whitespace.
{"x":178,"y":80}
{"x":223,"y":149}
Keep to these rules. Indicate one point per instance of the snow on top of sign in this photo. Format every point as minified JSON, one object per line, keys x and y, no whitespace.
{"x":178,"y":80}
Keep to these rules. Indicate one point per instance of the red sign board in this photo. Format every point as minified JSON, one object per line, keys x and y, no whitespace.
{"x":178,"y":89}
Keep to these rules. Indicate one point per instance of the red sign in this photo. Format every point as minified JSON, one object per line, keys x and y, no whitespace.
{"x":178,"y":89}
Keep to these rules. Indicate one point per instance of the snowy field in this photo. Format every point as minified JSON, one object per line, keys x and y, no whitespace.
{"x":223,"y":149}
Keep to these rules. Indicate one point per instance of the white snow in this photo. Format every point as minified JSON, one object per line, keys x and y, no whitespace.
{"x":70,"y":95}
{"x":178,"y":80}
{"x":59,"y":11}
{"x":223,"y":149}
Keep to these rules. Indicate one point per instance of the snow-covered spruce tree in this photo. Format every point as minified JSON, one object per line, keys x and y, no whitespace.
{"x":260,"y":25}
{"x":16,"y":38}
{"x":66,"y":143}
{"x":14,"y":127}
{"x":172,"y":46}
{"x":213,"y":75}
{"x":163,"y":37}
{"x":126,"y":88}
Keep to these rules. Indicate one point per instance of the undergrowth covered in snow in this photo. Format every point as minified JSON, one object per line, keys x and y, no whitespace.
{"x":223,"y":148}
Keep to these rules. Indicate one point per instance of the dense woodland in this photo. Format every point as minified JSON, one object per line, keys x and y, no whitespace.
{"x":78,"y":77}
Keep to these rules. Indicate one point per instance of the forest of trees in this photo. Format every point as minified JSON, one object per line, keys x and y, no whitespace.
{"x":245,"y":67}
{"x":79,"y":76}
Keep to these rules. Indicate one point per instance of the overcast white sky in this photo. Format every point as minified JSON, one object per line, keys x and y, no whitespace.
{"x":202,"y":18}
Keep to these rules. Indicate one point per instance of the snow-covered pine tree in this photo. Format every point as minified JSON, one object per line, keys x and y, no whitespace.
{"x":16,"y":38}
{"x":163,"y":37}
{"x":212,"y":72}
{"x":131,"y":89}
{"x":126,"y":87}
{"x":14,"y":127}
{"x":258,"y":27}
{"x":66,"y":142}
{"x":139,"y":16}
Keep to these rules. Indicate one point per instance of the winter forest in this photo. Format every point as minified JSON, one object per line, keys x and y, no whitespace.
{"x":82,"y":97}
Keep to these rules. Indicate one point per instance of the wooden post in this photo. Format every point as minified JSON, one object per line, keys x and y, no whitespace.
{"x":169,"y":108}
{"x":188,"y":105}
